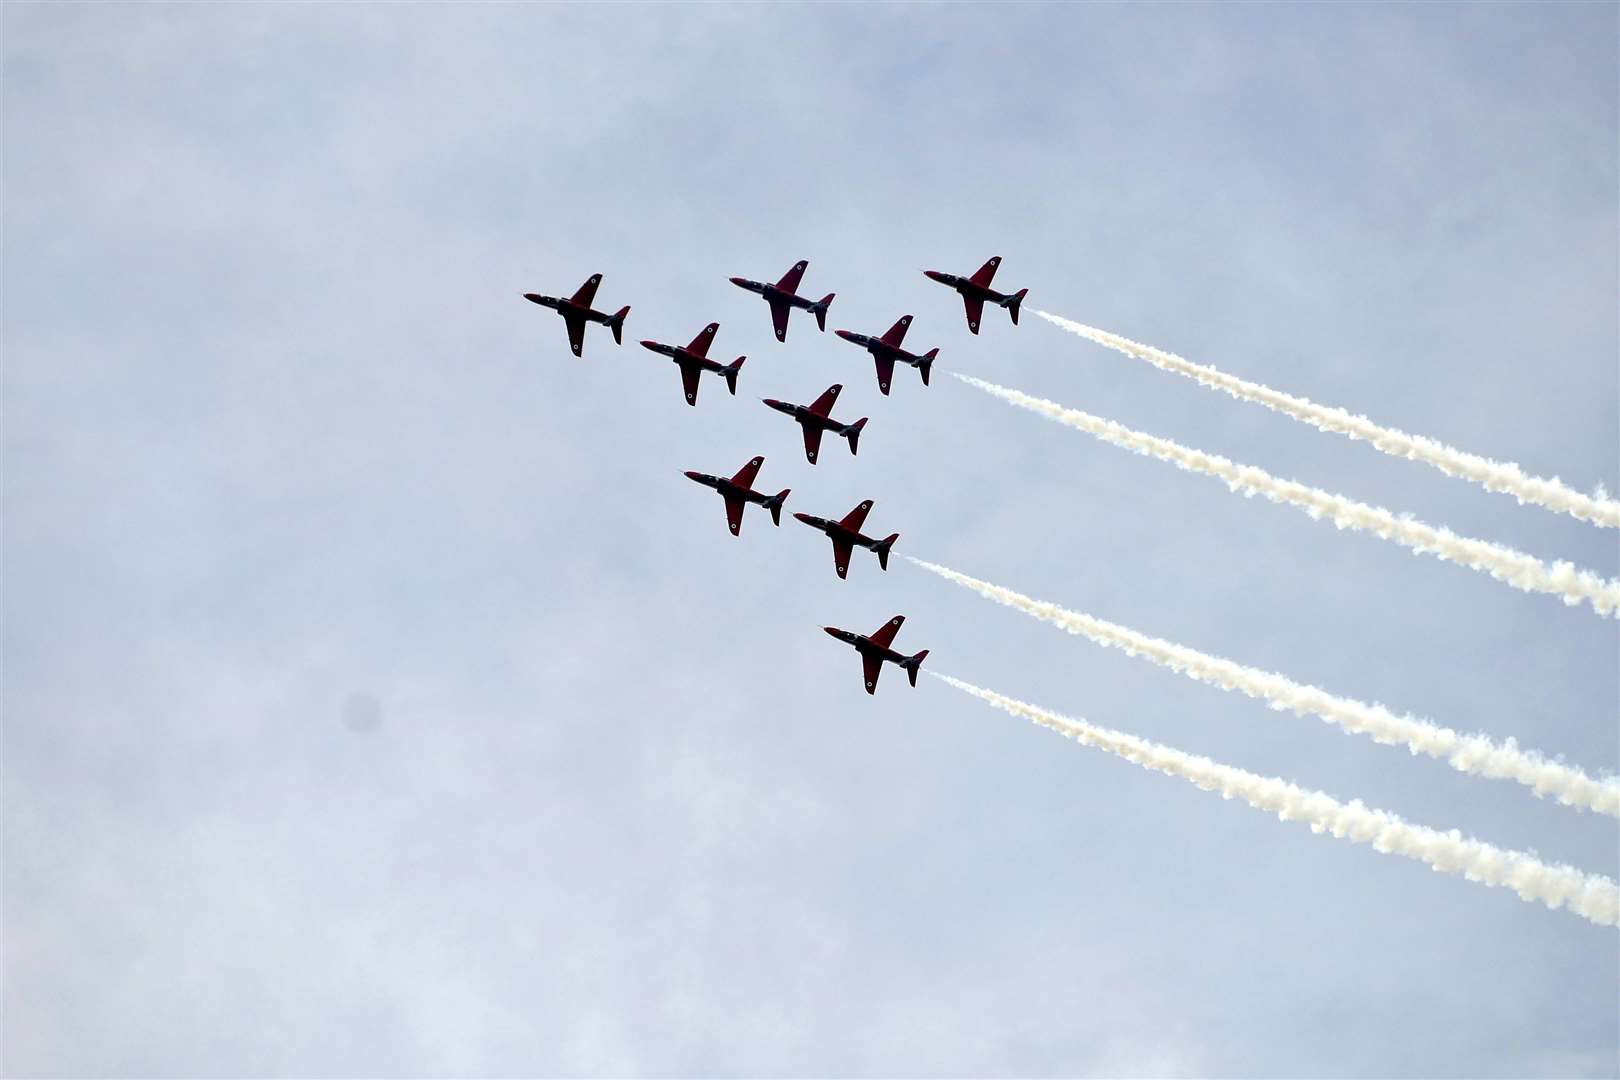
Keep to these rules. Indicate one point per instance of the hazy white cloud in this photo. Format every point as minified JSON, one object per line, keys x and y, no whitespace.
{"x":280,"y":434}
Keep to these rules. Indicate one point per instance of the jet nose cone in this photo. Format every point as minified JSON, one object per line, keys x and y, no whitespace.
{"x":845,"y":334}
{"x":803,"y":517}
{"x":738,"y":281}
{"x":690,"y":475}
{"x":532,"y":297}
{"x":833,"y":630}
{"x":649,"y":344}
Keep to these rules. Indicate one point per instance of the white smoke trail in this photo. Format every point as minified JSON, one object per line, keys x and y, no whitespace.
{"x":1474,"y":754}
{"x":1503,"y":563}
{"x":1590,"y":895}
{"x":1493,"y":475}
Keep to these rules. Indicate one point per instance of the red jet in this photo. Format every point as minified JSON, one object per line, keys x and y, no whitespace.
{"x":576,"y":312}
{"x":846,"y":536}
{"x":739,"y":490}
{"x":783,"y":297}
{"x":875,"y":649}
{"x":886,"y":350}
{"x":976,"y":290}
{"x":693,"y":360}
{"x":814,"y":420}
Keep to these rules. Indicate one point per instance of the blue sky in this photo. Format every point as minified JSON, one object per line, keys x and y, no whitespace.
{"x":281,"y":437}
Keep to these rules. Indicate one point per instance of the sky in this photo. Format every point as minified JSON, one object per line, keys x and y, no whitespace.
{"x":380,"y":700}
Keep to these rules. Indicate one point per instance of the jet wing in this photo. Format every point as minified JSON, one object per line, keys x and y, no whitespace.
{"x":897,"y":333}
{"x":779,"y":317}
{"x":745,"y":475}
{"x":872,"y":665}
{"x":587,"y":292}
{"x":823,"y":404}
{"x":884,"y":634}
{"x":812,"y":441}
{"x":734,"y":509}
{"x":842,"y":550}
{"x":689,"y":380}
{"x":885,"y":371}
{"x":790,"y":280}
{"x":700,"y":344}
{"x":857,"y":517}
{"x":576,"y":331}
{"x":983,"y":274}
{"x":975,"y":311}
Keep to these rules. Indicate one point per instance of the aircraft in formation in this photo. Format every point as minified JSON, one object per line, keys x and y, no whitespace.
{"x":874,"y":649}
{"x":814,"y":419}
{"x":576,"y":312}
{"x":886,"y":350}
{"x":738,"y":491}
{"x":784,"y":296}
{"x":693,"y":360}
{"x":846,"y":537}
{"x":976,"y":290}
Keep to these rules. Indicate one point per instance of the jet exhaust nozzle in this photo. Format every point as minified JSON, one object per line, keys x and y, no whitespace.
{"x":926,"y":364}
{"x":775,"y":504}
{"x":913,"y":664}
{"x":1012,"y":302}
{"x":854,"y":434}
{"x":820,"y":309}
{"x":883,"y":549}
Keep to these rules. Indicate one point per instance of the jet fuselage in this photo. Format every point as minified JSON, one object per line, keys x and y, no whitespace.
{"x":682,"y":355}
{"x":771,"y":292}
{"x":804,"y":415}
{"x":724,"y":486}
{"x":867,"y":647}
{"x":719,"y":483}
{"x":968,"y":288}
{"x":730,"y":488}
{"x":676,"y":352}
{"x":838,"y":531}
{"x":878,"y":347}
{"x":567,"y":307}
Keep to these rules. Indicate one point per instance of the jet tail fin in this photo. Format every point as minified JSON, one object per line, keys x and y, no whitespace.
{"x":913,"y":664}
{"x":774,"y":505}
{"x":730,"y":372}
{"x":1012,"y":302}
{"x":616,"y":324}
{"x":820,"y":309}
{"x":882,"y":549}
{"x":853,"y":434}
{"x":925,"y":364}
